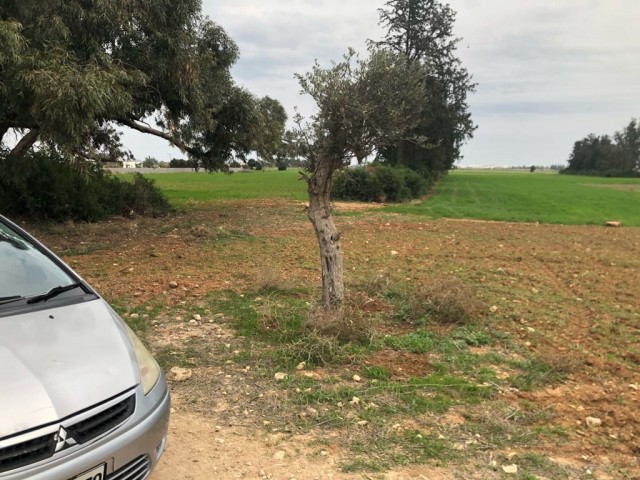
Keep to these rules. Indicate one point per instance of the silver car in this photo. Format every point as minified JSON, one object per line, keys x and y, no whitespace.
{"x":81,"y":398}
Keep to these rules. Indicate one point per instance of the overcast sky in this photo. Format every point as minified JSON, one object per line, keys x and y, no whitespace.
{"x":549,"y":72}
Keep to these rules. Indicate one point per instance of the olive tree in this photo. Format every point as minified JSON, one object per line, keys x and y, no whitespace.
{"x":361,"y":107}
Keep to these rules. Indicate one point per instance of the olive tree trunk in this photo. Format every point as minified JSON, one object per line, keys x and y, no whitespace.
{"x":319,"y":189}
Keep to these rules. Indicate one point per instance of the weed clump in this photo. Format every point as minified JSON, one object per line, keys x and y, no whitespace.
{"x":444,"y":301}
{"x":347,"y":322}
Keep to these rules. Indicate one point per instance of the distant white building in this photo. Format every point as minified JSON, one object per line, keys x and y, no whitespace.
{"x":129,"y":164}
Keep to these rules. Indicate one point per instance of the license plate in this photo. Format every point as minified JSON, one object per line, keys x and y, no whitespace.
{"x":96,"y":473}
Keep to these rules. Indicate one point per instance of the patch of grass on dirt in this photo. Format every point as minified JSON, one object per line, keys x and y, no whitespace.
{"x":538,"y":372}
{"x":444,"y":301}
{"x":534,"y":466}
{"x":379,"y":450}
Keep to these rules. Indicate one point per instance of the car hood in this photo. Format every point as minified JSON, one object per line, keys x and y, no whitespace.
{"x":59,"y":361}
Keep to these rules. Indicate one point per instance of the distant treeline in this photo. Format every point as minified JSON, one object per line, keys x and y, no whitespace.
{"x":617,"y":156}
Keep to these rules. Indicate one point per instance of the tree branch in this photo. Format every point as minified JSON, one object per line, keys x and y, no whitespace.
{"x":25,"y":143}
{"x":158,"y":133}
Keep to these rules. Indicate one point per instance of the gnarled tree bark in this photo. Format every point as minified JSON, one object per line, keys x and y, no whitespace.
{"x":25,"y":143}
{"x":319,"y":189}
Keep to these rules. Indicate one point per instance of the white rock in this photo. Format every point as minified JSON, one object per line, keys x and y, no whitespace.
{"x":173,"y":284}
{"x":362,"y":423}
{"x":393,"y":252}
{"x":354,"y":401}
{"x":178,"y":374}
{"x":280,"y":454}
{"x":193,"y":322}
{"x":510,"y":469}
{"x":280,"y":376}
{"x":356,"y":378}
{"x":593,"y":422}
{"x":197,"y":317}
{"x":493,"y":309}
{"x":301,"y":366}
{"x":633,"y":386}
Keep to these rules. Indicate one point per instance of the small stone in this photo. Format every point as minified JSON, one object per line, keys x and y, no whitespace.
{"x":393,"y":252}
{"x":312,"y":412}
{"x":280,"y":454}
{"x":173,"y":284}
{"x":257,"y":299}
{"x":513,"y":469}
{"x":178,"y":318}
{"x":354,"y":401}
{"x":593,"y":422}
{"x":324,"y":453}
{"x":280,"y":376}
{"x":178,"y":374}
{"x":633,"y":386}
{"x":197,"y":317}
{"x":356,"y":378}
{"x":531,"y":330}
{"x":362,"y":423}
{"x":493,"y":309}
{"x":613,"y":224}
{"x":135,"y":315}
{"x":193,"y":322}
{"x":301,"y":366}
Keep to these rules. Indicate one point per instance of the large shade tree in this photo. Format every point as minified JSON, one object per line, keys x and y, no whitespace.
{"x":71,"y":71}
{"x":361,"y":106}
{"x":422,"y":31}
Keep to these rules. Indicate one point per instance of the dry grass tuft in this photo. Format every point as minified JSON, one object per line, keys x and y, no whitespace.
{"x":346,"y":323}
{"x":446,"y":301}
{"x":269,"y":279}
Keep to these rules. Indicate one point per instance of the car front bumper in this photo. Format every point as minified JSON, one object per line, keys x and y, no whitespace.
{"x":130,"y":451}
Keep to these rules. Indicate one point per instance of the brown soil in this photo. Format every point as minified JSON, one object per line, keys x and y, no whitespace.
{"x":567,"y":294}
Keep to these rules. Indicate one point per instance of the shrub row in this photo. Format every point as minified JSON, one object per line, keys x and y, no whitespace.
{"x":379,"y":183}
{"x":43,"y":186}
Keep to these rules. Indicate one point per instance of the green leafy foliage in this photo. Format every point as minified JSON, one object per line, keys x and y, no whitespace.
{"x":423,"y":31}
{"x":72,"y":70}
{"x":608,"y":157}
{"x":44,"y":186}
{"x":378,"y":183}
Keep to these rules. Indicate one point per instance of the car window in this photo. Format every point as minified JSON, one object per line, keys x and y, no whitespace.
{"x":24,"y":270}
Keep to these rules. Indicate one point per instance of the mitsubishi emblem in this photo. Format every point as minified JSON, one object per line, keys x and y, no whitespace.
{"x":64,"y":440}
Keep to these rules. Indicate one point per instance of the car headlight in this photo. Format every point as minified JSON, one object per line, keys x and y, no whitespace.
{"x":149,"y":369}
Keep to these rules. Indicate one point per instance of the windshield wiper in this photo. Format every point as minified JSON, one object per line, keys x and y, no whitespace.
{"x":12,"y":298}
{"x":54,"y":292}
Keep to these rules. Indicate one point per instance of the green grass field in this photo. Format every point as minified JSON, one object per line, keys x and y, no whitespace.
{"x":527,"y":197}
{"x":486,"y":195}
{"x":184,"y":188}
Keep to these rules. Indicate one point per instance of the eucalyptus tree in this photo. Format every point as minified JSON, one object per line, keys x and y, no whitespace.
{"x":72,"y":70}
{"x":361,"y":106}
{"x":423,"y":31}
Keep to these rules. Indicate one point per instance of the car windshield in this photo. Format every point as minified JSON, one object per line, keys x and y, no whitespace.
{"x":24,"y":270}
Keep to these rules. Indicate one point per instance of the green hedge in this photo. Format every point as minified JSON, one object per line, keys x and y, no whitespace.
{"x":43,"y":186}
{"x":379,"y":183}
